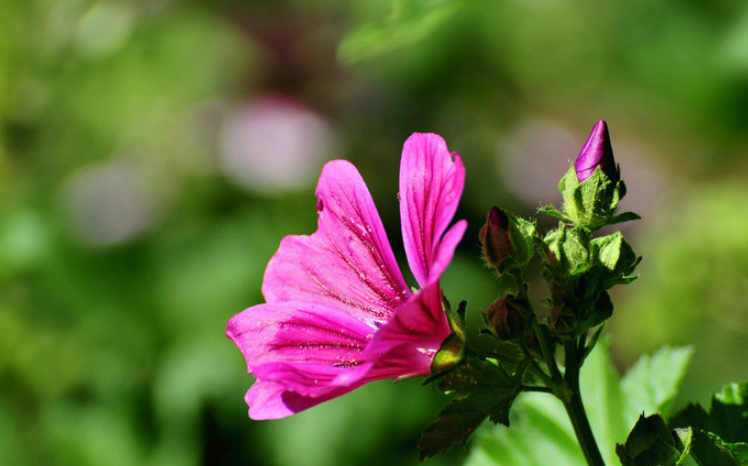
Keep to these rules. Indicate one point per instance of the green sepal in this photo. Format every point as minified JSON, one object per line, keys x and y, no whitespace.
{"x":553,"y":212}
{"x":592,"y":342}
{"x":623,"y":217}
{"x":570,"y":248}
{"x":522,"y":235}
{"x":617,"y":258}
{"x":452,"y":350}
{"x":450,"y":353}
{"x":507,"y":243}
{"x":652,"y":443}
{"x":482,"y":390}
{"x":594,"y":201}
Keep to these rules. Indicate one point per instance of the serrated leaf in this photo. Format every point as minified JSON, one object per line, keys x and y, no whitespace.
{"x":651,"y":442}
{"x":456,"y":423}
{"x":541,"y":433}
{"x":727,"y":416}
{"x":483,"y":391}
{"x":685,"y":437}
{"x":710,"y":450}
{"x":654,"y":380}
{"x":729,"y":413}
{"x":721,"y":435}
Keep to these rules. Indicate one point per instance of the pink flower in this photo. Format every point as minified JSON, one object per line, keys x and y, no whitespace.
{"x":339,"y":313}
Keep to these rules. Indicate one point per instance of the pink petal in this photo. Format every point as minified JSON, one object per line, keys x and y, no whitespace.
{"x":431,"y":182}
{"x":294,"y":332}
{"x":347,"y":263}
{"x":312,"y":380}
{"x":406,"y":346}
{"x":269,"y":400}
{"x":446,"y":250}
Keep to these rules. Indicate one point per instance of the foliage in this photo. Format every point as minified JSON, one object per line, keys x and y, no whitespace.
{"x":613,"y":404}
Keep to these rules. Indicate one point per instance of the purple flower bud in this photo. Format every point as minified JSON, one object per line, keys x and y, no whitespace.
{"x":597,"y":152}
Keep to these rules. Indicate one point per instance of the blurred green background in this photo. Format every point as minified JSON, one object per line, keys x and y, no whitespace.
{"x":154,"y":153}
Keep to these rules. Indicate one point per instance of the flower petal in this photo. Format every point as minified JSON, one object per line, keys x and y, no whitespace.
{"x":295,"y":332}
{"x":406,"y":346}
{"x":347,"y":263}
{"x":446,"y":250}
{"x":313,"y":380}
{"x":270,"y":400}
{"x":431,"y":183}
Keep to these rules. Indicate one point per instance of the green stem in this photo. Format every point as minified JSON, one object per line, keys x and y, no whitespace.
{"x":546,"y":348}
{"x":565,"y":387}
{"x":575,"y":408}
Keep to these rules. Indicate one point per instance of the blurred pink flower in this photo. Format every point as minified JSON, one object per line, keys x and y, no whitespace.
{"x":339,"y":313}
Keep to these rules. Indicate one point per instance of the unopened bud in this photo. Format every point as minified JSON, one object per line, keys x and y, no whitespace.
{"x":591,"y":196}
{"x":507,"y":240}
{"x":494,"y":236}
{"x":597,"y":152}
{"x":507,"y":319}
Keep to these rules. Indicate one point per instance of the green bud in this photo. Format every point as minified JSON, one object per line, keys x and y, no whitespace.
{"x":569,"y":248}
{"x":507,"y":240}
{"x":577,"y":278}
{"x":616,"y":257}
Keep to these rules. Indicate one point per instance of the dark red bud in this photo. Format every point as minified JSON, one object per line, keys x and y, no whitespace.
{"x":494,"y":236}
{"x":506,"y":319}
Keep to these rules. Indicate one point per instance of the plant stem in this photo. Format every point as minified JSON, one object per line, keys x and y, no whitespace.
{"x":575,"y":407}
{"x":565,"y":387}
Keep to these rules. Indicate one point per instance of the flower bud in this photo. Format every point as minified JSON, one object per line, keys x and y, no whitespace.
{"x":507,"y":240}
{"x":591,"y":196}
{"x":507,"y":319}
{"x":494,"y":236}
{"x":596,"y":152}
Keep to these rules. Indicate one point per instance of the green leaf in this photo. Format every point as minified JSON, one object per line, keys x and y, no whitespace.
{"x":729,"y":413}
{"x":720,"y":435}
{"x":651,"y":442}
{"x":710,"y":450}
{"x":410,"y":21}
{"x":484,"y":391}
{"x":654,"y":380}
{"x":541,"y":433}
